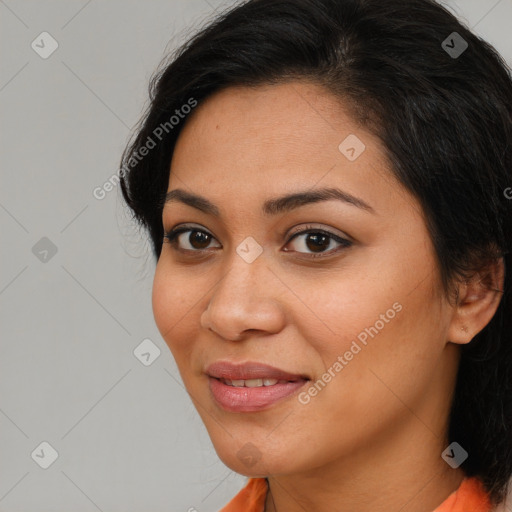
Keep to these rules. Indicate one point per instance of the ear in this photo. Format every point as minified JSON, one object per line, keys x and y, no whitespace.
{"x":478,"y":300}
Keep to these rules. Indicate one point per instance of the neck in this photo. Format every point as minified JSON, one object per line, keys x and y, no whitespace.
{"x":411,"y":477}
{"x":400,"y":469}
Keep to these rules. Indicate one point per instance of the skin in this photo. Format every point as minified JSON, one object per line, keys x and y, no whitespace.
{"x":372,"y":439}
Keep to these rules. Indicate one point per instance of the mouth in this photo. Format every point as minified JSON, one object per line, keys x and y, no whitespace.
{"x":251,"y":387}
{"x":251,"y":371}
{"x":253,"y":383}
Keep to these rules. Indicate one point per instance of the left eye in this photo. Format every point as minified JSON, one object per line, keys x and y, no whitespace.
{"x":318,"y":241}
{"x":315,"y":240}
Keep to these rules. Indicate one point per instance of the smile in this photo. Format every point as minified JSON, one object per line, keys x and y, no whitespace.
{"x":251,"y":386}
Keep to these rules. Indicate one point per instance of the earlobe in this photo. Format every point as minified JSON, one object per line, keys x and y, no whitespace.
{"x":478,"y":300}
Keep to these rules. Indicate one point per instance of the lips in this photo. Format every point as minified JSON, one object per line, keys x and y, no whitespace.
{"x":251,"y":387}
{"x":250,"y":371}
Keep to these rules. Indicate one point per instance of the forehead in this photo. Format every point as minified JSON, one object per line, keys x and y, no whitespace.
{"x":257,"y":142}
{"x":288,"y":120}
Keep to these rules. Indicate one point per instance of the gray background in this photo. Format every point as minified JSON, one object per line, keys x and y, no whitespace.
{"x":127,"y":435}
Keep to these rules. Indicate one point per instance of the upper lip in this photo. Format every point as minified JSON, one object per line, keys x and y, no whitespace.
{"x":250,"y":370}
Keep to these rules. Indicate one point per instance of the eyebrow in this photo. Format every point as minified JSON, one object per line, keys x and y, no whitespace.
{"x":275,"y":205}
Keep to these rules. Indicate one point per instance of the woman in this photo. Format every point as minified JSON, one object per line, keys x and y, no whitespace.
{"x":326,"y":185}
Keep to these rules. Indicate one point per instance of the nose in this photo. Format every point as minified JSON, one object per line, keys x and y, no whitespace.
{"x":244,"y":301}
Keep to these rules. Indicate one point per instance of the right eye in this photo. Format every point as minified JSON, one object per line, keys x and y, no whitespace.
{"x":197,"y":239}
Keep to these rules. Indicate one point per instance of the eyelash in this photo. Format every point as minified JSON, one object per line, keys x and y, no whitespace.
{"x":172,"y":235}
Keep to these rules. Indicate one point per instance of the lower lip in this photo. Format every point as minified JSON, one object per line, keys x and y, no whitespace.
{"x":243,"y":399}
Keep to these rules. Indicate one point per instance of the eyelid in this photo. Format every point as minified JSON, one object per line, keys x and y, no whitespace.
{"x":310,"y":227}
{"x":300,"y":228}
{"x":179,"y":228}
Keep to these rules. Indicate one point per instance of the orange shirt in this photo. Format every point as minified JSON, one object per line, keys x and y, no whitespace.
{"x":469,"y":497}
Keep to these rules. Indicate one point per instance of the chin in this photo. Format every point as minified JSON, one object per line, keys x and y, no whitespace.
{"x":248,"y":460}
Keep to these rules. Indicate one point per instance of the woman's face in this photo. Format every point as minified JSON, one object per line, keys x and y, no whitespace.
{"x":345,"y":295}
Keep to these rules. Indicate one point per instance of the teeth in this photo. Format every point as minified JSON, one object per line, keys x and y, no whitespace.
{"x":253,"y":383}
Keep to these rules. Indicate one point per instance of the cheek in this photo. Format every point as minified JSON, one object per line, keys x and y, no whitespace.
{"x":162,"y":301}
{"x":336,"y":309}
{"x":388,"y":339}
{"x":172,"y":301}
{"x":376,"y":316}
